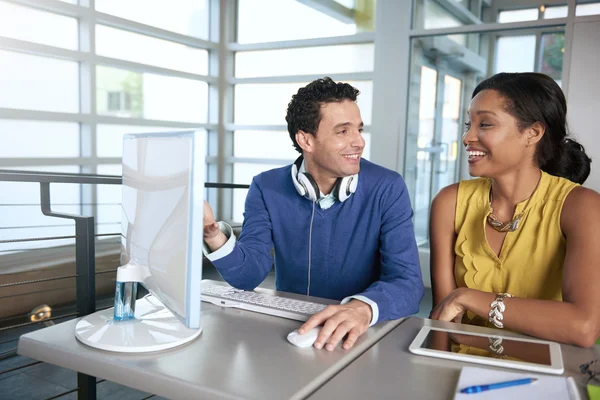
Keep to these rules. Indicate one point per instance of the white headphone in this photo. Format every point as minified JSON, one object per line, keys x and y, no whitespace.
{"x":307,"y":187}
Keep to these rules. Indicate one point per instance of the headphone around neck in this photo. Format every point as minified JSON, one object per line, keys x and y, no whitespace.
{"x":307,"y":187}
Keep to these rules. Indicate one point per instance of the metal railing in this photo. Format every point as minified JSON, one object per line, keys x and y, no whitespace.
{"x":85,"y":258}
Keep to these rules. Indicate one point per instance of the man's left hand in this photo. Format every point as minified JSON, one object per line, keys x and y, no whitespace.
{"x":352,"y":318}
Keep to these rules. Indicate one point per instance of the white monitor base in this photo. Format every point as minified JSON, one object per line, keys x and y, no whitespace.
{"x":154,"y":328}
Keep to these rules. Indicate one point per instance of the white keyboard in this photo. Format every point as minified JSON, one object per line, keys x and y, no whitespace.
{"x":227,"y":296}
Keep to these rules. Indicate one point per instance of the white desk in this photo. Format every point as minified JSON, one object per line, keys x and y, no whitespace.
{"x":389,"y":371}
{"x":240,"y":354}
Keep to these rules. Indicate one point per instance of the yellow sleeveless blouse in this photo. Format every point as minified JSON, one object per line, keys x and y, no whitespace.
{"x":531,"y":260}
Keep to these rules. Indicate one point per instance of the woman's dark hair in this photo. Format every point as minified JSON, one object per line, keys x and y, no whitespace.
{"x":533,"y":97}
{"x":304,"y":110}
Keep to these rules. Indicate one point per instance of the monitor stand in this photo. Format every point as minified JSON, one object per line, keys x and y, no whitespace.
{"x":137,"y":326}
{"x":154,"y":328}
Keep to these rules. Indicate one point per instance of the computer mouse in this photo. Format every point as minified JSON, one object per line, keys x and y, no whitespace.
{"x":305,"y":340}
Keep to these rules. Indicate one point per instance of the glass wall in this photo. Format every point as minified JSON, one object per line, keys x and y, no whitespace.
{"x":290,"y":20}
{"x":444,"y":71}
{"x":72,"y":86}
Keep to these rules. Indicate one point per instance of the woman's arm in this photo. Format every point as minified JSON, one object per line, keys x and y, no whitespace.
{"x":441,"y":243}
{"x":575,"y":320}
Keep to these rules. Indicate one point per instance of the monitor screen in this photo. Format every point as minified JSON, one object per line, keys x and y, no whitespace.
{"x":162,"y":216}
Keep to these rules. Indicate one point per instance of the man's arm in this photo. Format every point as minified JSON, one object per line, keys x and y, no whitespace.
{"x":249,"y":260}
{"x":400,"y":287}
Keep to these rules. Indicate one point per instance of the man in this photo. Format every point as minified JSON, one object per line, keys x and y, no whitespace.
{"x":334,"y":235}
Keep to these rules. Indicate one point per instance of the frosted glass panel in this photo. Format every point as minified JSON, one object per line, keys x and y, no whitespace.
{"x":110,"y":137}
{"x":515,"y":54}
{"x":124,"y":93}
{"x":267,"y":103}
{"x":45,"y":139}
{"x":116,"y":43}
{"x":289,"y":19}
{"x":555,"y":12}
{"x":109,"y":197}
{"x":188,"y":17}
{"x":528,"y":14}
{"x":264,"y":144}
{"x":587,"y":9}
{"x":44,"y":27}
{"x":38,"y":83}
{"x":315,"y":60}
{"x":21,"y":216}
{"x":243,"y":174}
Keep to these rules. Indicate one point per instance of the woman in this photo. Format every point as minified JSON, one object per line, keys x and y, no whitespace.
{"x":519,"y":248}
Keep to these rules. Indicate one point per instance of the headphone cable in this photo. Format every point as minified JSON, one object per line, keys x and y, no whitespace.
{"x":310,"y":246}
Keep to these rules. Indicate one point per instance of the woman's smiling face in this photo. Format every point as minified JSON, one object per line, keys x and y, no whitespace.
{"x":493,"y":140}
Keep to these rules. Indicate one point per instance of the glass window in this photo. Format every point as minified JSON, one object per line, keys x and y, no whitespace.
{"x":188,"y":17}
{"x":38,"y":83}
{"x":430,"y":14}
{"x":264,"y":144}
{"x":243,"y":174}
{"x":437,"y":17}
{"x":251,"y":144}
{"x":258,"y":20}
{"x":116,"y":43}
{"x":515,"y":54}
{"x":45,"y":28}
{"x":109,"y":141}
{"x":326,"y":59}
{"x":367,"y":150}
{"x":528,"y":14}
{"x":274,"y":98}
{"x":44,"y":139}
{"x":109,"y":201}
{"x":60,"y":193}
{"x":346,"y":3}
{"x":36,"y":232}
{"x":150,"y":96}
{"x":20,"y":210}
{"x":555,"y":12}
{"x":553,"y":49}
{"x":587,"y":9}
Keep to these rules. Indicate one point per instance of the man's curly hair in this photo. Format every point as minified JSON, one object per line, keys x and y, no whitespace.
{"x":304,"y":110}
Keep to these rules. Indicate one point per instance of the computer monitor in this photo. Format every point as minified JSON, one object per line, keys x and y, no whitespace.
{"x":162,"y":241}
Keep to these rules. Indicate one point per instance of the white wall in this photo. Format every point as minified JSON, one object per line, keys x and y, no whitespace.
{"x":583,"y":93}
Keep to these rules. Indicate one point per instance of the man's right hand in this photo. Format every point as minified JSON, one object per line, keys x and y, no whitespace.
{"x":213,"y":237}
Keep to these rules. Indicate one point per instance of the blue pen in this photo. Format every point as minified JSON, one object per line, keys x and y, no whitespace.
{"x":483,"y":388}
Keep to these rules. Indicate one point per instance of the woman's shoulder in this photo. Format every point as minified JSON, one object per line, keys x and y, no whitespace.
{"x":580,"y":216}
{"x":558,"y":188}
{"x":582,"y":204}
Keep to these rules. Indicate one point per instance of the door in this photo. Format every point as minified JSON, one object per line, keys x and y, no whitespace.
{"x":434,"y":132}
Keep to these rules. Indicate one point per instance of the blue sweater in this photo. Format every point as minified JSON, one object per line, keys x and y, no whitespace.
{"x":363,"y":246}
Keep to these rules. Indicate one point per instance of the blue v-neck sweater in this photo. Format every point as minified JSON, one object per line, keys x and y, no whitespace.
{"x":363,"y":246}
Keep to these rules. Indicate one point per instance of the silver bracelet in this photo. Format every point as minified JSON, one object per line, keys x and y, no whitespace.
{"x":495,"y":346}
{"x":496,"y":310}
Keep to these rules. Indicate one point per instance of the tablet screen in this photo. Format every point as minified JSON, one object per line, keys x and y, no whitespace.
{"x":490,"y":347}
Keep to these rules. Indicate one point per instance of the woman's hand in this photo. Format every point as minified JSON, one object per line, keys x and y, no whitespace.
{"x":452,"y":308}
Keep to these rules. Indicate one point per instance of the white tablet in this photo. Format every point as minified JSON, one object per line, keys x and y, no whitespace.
{"x":500,"y":351}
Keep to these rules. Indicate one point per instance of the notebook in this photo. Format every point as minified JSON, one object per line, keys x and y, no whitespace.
{"x":546,"y":387}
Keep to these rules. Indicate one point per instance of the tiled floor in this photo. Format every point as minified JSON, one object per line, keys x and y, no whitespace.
{"x":43,"y":381}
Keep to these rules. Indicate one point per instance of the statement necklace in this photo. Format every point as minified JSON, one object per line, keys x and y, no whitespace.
{"x":510,"y":226}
